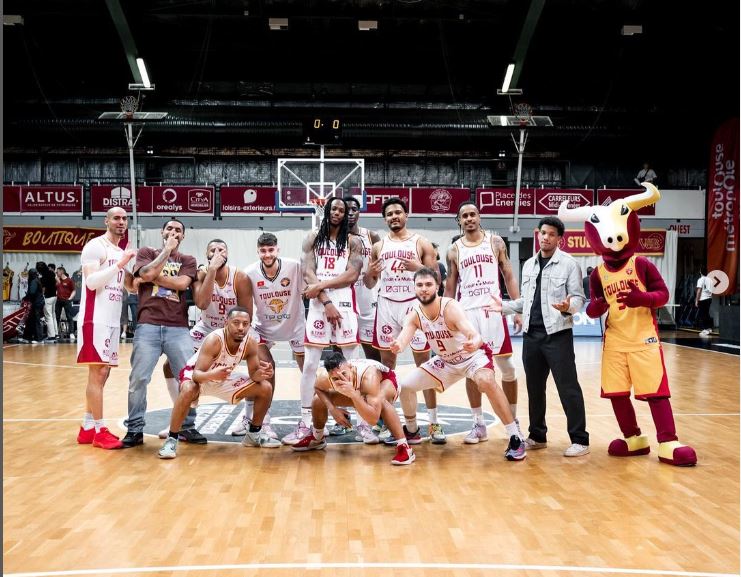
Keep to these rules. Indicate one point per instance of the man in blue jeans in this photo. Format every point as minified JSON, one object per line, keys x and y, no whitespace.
{"x":162,"y":326}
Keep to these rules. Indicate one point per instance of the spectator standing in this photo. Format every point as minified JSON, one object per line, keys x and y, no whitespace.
{"x":49,"y":282}
{"x":703,"y":300}
{"x":65,"y":294}
{"x":646,"y":174}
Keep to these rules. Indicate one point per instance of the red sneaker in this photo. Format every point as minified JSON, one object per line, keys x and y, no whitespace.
{"x":404,"y":455}
{"x":106,"y":440}
{"x":86,"y":437}
{"x":310,"y":443}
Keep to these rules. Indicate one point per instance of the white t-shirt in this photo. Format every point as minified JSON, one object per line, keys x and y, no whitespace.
{"x":705,"y":284}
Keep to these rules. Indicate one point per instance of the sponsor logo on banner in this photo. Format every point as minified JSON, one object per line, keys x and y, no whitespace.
{"x":722,"y":203}
{"x":182,"y":199}
{"x":247,"y":199}
{"x":441,"y":200}
{"x":502,"y":201}
{"x":652,"y":242}
{"x":51,"y":199}
{"x":437,"y":201}
{"x":548,"y":200}
{"x":105,"y":197}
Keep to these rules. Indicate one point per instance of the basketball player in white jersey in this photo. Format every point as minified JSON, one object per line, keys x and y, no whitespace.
{"x":211,"y":371}
{"x":461,"y":353}
{"x":364,"y":384}
{"x":218,"y":287}
{"x":103,"y":278}
{"x":474,"y":263}
{"x":394,"y":259}
{"x":331,"y":263}
{"x":274,"y":285}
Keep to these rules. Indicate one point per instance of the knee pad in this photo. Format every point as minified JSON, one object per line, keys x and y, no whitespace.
{"x":507,"y":367}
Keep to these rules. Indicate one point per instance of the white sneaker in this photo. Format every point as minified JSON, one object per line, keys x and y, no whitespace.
{"x":123,"y":336}
{"x":365,"y":434}
{"x":297,"y":434}
{"x":242,"y":427}
{"x":478,"y":434}
{"x":705,"y":333}
{"x":533,"y":445}
{"x":261,"y":440}
{"x":576,"y":450}
{"x":268,"y":430}
{"x":384,"y":433}
{"x":164,"y":433}
{"x":72,"y":337}
{"x":169,"y":449}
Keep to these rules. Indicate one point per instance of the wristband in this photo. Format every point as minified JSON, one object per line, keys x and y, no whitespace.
{"x":327,"y":302}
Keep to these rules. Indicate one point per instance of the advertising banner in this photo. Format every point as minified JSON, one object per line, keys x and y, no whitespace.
{"x":191,"y":200}
{"x":377,"y":195}
{"x":437,"y":201}
{"x":236,"y":200}
{"x":43,"y":199}
{"x":547,"y":200}
{"x":501,"y":201}
{"x":47,"y":238}
{"x":722,"y":198}
{"x":652,"y":242}
{"x":105,"y":196}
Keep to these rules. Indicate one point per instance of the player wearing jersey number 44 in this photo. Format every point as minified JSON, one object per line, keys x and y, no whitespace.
{"x":461,"y":353}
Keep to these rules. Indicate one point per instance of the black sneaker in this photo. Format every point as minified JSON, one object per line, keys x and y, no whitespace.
{"x":192,"y":436}
{"x":132,"y":439}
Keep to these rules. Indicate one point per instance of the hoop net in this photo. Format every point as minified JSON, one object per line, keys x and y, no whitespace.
{"x":129,"y":105}
{"x":523,"y":112}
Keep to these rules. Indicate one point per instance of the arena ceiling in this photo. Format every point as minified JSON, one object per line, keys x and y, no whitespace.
{"x":426,"y":78}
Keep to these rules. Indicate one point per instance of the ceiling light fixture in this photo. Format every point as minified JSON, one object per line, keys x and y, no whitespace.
{"x":143,"y":72}
{"x":631,"y":30}
{"x":508,"y":77}
{"x":278,"y":23}
{"x":367,"y":24}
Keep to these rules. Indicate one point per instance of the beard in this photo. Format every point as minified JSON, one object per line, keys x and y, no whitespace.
{"x":428,"y":300}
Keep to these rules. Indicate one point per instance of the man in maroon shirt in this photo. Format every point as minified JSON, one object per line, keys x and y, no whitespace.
{"x":65,"y":294}
{"x":162,"y":326}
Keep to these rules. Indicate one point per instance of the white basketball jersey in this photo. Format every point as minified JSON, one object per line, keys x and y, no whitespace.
{"x":446,"y":343}
{"x":361,"y":366}
{"x":365,"y":296}
{"x":223,"y":299}
{"x":331,"y":263}
{"x":279,"y":307}
{"x":478,"y":273}
{"x":102,"y":306}
{"x":225,"y":358}
{"x":397,"y":283}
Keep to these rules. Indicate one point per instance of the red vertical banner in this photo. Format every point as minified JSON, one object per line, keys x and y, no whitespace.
{"x":722,"y":209}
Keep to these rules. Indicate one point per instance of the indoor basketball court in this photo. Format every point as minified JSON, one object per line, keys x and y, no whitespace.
{"x":240,"y":118}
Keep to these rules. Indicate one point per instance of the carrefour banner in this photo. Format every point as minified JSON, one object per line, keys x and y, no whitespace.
{"x":652,"y":242}
{"x":723,"y":208}
{"x":47,"y":238}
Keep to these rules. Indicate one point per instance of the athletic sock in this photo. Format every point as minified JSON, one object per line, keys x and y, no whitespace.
{"x":412,"y":425}
{"x":88,"y":422}
{"x":432,"y":414}
{"x":513,"y":408}
{"x":255,"y":428}
{"x":318,"y":433}
{"x":478,"y":415}
{"x":306,"y":416}
{"x":173,"y":434}
{"x":249,"y":406}
{"x":513,"y":429}
{"x":98,"y":425}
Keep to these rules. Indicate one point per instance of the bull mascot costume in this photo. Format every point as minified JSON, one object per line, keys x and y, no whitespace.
{"x":630,"y":289}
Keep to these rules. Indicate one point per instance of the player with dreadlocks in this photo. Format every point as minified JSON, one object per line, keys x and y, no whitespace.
{"x":332,"y":260}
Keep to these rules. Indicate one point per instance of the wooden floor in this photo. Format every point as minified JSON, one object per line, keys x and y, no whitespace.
{"x":223,"y":509}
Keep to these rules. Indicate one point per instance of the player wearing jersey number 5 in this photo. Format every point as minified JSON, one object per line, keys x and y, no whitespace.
{"x":103,"y":278}
{"x":461,"y":353}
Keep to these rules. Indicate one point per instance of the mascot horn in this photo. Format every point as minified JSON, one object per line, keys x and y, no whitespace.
{"x":629,"y":289}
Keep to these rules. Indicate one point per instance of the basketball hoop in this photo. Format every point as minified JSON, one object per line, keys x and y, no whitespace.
{"x":318,"y":202}
{"x":129,"y":105}
{"x":523,"y":112}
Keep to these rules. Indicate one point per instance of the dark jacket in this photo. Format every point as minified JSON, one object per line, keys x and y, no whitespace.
{"x":35,"y":293}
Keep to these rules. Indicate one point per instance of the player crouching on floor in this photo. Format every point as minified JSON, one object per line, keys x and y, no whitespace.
{"x":211,"y":371}
{"x":365,"y":384}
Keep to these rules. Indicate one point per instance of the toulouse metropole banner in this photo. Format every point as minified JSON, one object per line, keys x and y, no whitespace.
{"x":723,"y":208}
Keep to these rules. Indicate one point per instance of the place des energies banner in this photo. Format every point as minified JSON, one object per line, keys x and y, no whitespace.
{"x":723,"y":208}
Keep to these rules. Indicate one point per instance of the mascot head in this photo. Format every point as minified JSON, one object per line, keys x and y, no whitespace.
{"x":612,"y":231}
